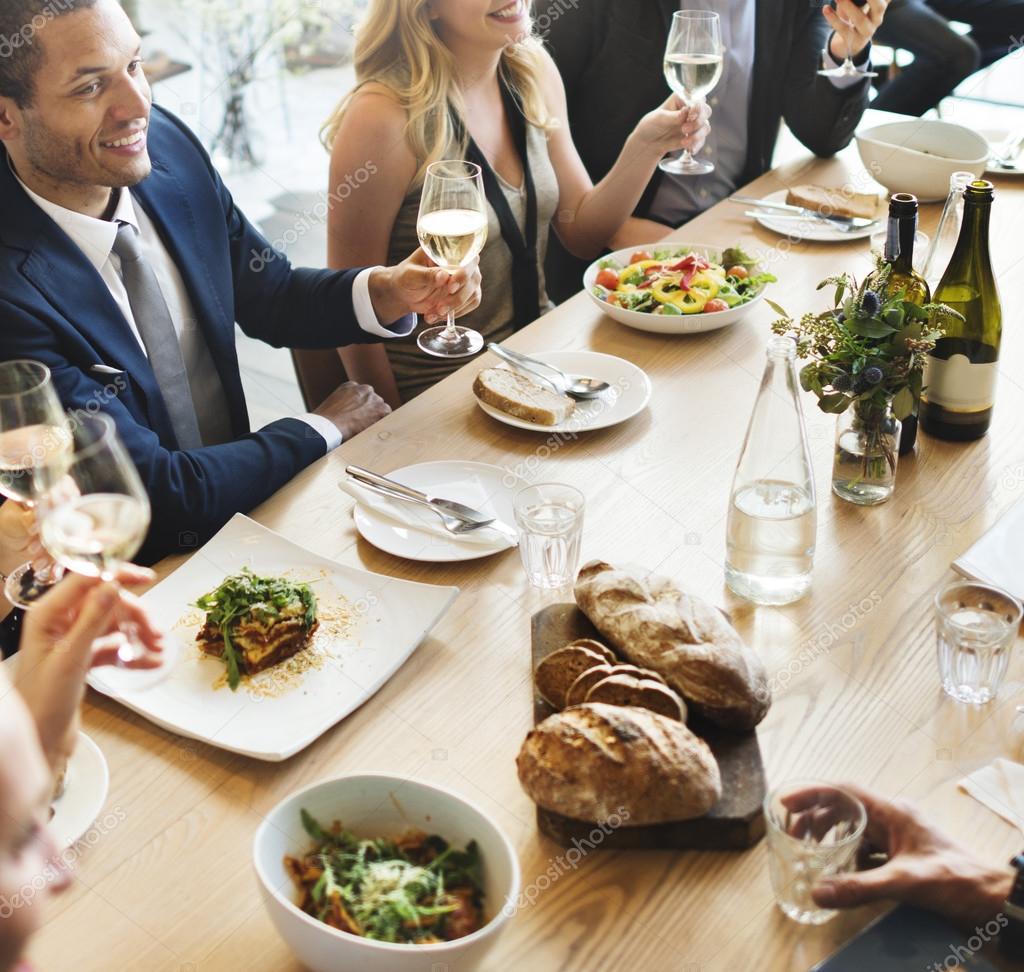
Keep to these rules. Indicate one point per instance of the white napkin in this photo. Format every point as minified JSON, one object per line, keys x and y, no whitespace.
{"x":416,"y":517}
{"x":996,"y":558}
{"x":1000,"y":787}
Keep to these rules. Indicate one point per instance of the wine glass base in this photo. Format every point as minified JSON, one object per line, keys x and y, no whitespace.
{"x":846,"y":72}
{"x":466,"y":342}
{"x":23,"y":586}
{"x":691,"y":168}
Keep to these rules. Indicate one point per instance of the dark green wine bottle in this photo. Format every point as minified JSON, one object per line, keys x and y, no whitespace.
{"x":960,"y":374}
{"x":900,"y":275}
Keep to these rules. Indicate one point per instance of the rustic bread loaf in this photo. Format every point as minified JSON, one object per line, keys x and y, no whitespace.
{"x":644,"y":693}
{"x":513,"y":393}
{"x":655,"y":625}
{"x":555,"y":673}
{"x":593,"y":762}
{"x":834,"y":202}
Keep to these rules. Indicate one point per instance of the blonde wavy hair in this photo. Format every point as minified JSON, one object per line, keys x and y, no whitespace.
{"x":397,"y":46}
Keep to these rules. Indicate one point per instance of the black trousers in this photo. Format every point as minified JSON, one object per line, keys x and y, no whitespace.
{"x":943,"y":58}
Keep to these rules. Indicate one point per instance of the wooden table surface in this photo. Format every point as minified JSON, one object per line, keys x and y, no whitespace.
{"x":168,"y":883}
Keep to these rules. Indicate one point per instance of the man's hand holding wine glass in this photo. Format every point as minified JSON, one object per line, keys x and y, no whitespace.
{"x":854,"y":23}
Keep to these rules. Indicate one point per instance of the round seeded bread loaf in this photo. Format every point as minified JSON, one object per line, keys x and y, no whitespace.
{"x":594,"y":762}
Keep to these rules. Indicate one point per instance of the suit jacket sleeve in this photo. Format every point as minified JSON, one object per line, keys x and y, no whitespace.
{"x":192,"y":493}
{"x":821,"y":115}
{"x":284,"y":306}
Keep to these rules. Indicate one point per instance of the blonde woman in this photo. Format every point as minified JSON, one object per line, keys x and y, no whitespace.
{"x":467,"y":79}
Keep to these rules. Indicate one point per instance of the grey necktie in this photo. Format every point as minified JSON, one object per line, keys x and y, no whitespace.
{"x":156,"y":328}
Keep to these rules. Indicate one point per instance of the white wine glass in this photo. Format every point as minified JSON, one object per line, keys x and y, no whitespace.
{"x":693,"y":66}
{"x":95,"y":521}
{"x":452,"y":229}
{"x":35,"y":448}
{"x":847,"y":69}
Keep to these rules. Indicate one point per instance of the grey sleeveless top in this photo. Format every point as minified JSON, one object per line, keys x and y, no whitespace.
{"x":415,"y":371}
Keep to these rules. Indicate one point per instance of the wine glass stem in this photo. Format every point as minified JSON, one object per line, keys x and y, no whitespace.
{"x":450,"y":333}
{"x":685,"y":157}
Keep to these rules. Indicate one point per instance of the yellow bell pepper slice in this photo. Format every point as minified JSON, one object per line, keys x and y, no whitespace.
{"x":690,"y":301}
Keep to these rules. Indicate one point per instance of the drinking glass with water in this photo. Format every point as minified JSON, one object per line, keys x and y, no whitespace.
{"x":975,"y":628}
{"x":550,"y":521}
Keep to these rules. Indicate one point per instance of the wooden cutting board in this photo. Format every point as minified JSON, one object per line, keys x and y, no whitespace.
{"x":734,"y":823}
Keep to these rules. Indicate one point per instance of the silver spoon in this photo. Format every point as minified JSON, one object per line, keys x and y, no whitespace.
{"x":576,"y":386}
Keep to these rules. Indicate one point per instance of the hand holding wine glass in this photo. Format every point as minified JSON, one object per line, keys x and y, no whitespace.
{"x":35,"y":445}
{"x":855,"y":23}
{"x":452,"y":229}
{"x":96,"y":522}
{"x":693,"y":66}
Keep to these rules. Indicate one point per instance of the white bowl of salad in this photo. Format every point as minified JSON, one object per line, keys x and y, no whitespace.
{"x":676,"y":288}
{"x":385,"y":874}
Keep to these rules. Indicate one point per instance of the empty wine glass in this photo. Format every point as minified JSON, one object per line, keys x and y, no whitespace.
{"x":94,"y":522}
{"x":452,"y":229}
{"x":693,"y":65}
{"x":35,"y":447}
{"x":847,"y":69}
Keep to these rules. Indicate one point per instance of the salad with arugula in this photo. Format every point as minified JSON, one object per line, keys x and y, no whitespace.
{"x":413,"y":890}
{"x":675,"y":281}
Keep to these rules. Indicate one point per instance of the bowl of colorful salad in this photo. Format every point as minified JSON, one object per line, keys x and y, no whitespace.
{"x":385,"y":874}
{"x":677,"y":288}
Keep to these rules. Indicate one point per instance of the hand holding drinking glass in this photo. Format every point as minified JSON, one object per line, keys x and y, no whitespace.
{"x":855,"y":23}
{"x":35,"y":445}
{"x":452,"y":229}
{"x":97,"y":521}
{"x":693,"y":66}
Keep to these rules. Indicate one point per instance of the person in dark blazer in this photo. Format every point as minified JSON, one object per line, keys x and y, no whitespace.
{"x":610,"y":54}
{"x":125,"y":263}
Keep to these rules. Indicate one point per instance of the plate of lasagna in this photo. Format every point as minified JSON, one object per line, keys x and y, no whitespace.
{"x":277,"y":643}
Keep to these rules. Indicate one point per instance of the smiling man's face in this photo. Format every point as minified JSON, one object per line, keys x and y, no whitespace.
{"x":84,"y":131}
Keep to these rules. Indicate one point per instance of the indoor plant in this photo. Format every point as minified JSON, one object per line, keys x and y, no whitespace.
{"x":867,"y":354}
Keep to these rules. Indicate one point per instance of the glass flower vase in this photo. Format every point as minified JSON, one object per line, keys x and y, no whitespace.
{"x":866,"y":453}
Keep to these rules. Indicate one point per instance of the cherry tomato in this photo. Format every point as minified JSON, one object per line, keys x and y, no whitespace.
{"x":607,"y":278}
{"x":639,"y":255}
{"x":739,"y":272}
{"x":714,"y":305}
{"x":612,"y":299}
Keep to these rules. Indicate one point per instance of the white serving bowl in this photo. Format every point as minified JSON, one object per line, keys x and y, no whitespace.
{"x":919,"y":156}
{"x":664,"y":324}
{"x":375,"y":805}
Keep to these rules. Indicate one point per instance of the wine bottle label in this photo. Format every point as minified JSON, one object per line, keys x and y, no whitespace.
{"x":958,"y":384}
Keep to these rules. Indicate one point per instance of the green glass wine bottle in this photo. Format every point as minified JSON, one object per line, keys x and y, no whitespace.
{"x":899,"y":274}
{"x":960,"y":374}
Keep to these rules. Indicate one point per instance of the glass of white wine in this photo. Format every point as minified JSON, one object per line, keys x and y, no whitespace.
{"x":35,"y":448}
{"x":847,"y":69}
{"x":452,"y":229}
{"x":97,"y":519}
{"x":693,"y":66}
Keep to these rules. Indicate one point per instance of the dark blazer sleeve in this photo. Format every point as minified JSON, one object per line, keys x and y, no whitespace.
{"x":192,"y":493}
{"x":821,"y":115}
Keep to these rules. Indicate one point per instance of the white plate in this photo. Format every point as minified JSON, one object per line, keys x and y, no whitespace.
{"x":484,"y":487}
{"x":663,"y":323}
{"x":628,"y":396}
{"x":85,"y":792}
{"x":281,"y":711}
{"x":996,"y":138}
{"x":810,"y":228}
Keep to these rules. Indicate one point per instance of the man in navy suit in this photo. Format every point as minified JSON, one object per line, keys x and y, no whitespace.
{"x":124,"y":265}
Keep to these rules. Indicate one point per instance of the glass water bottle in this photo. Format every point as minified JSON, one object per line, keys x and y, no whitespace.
{"x":771,"y":527}
{"x":940,"y":250}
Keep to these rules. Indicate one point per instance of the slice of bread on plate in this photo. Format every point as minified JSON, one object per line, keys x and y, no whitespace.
{"x":834,"y":202}
{"x":518,"y":396}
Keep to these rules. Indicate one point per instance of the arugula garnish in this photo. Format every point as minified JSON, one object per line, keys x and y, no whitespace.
{"x":245,"y":594}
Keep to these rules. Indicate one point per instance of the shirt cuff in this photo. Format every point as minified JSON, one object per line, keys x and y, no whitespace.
{"x":330,"y":433}
{"x":367,"y":318}
{"x":862,"y":62}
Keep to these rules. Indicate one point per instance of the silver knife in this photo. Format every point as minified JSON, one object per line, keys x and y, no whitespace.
{"x":400,"y":491}
{"x":856,"y":222}
{"x":788,"y":217}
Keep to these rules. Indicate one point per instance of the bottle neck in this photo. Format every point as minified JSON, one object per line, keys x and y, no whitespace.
{"x":899,"y":242}
{"x":972,"y":243}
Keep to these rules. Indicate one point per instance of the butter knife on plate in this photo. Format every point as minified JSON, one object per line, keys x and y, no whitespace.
{"x":851,"y":222}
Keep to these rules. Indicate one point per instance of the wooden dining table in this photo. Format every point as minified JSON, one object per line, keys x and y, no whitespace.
{"x":165,"y":879}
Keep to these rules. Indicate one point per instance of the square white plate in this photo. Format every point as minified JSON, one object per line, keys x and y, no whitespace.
{"x":392,"y":617}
